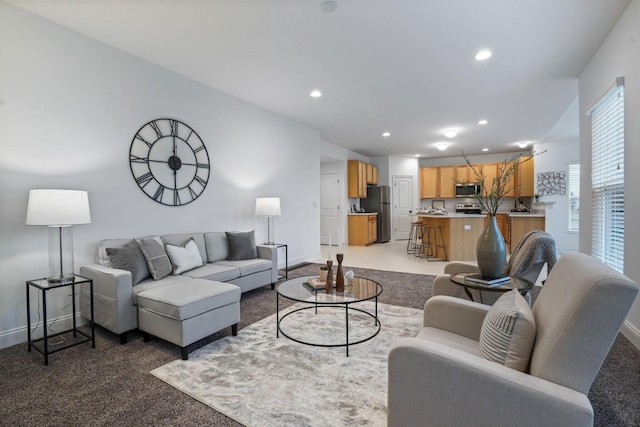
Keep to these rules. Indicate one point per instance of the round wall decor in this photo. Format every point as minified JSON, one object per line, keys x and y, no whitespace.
{"x":169,"y":162}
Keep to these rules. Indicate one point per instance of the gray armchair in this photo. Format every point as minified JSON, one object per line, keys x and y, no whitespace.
{"x":533,"y":251}
{"x":442,"y":377}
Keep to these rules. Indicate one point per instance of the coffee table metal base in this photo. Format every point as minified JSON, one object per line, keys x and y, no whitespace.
{"x":346,"y":307}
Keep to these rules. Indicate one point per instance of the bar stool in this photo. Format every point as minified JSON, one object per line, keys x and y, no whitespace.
{"x":415,"y":232}
{"x":430,"y":239}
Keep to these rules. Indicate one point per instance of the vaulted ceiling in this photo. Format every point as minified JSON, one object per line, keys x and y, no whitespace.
{"x":405,"y":67}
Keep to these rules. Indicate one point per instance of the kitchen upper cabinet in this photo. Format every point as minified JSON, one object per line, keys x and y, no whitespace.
{"x":372,"y":174}
{"x":524,"y":177}
{"x":428,"y":183}
{"x":489,"y":175}
{"x":447,"y":182}
{"x":357,"y":179}
{"x":437,"y":182}
{"x":465,"y":173}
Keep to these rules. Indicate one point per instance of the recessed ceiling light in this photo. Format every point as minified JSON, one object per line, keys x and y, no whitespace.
{"x":416,"y":155}
{"x":451,"y":133}
{"x":316,"y":94}
{"x":483,"y":122}
{"x":485,"y":149}
{"x":483,"y":54}
{"x":386,"y":134}
{"x":523,"y":144}
{"x":441,"y":146}
{"x":328,"y":6}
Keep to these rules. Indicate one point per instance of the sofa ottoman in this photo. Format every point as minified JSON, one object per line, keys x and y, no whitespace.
{"x":185,"y":312}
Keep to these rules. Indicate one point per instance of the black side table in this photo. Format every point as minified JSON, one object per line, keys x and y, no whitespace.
{"x":286,"y":260}
{"x":42,"y":344}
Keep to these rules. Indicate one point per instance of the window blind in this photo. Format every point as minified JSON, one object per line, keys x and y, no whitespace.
{"x":607,"y":178}
{"x":574,"y":197}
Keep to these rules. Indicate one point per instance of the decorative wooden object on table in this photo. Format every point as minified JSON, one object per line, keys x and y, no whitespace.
{"x":339,"y":275}
{"x":329,"y":285}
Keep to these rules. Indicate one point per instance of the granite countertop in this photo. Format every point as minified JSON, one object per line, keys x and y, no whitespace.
{"x":363,"y":213}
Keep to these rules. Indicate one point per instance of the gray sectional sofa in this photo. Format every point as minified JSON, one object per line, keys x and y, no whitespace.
{"x":200,"y":295}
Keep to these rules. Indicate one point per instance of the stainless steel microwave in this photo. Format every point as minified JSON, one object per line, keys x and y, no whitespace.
{"x":468,"y":190}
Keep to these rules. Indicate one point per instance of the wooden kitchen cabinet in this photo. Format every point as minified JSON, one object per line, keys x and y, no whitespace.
{"x":437,"y":182}
{"x":428,"y":183}
{"x":372,"y":174}
{"x":524,"y":178}
{"x":446,"y":182}
{"x":362,"y":229}
{"x":522,"y":224}
{"x":357,"y":179}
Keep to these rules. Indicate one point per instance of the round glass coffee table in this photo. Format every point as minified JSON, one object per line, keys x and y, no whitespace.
{"x":361,"y":289}
{"x":522,"y":285}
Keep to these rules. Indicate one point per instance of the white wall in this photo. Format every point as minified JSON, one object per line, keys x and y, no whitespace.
{"x":619,"y":56}
{"x":558,"y":156}
{"x":69,"y":108}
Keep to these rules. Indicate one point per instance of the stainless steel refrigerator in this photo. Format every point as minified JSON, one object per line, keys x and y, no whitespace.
{"x":379,"y":200}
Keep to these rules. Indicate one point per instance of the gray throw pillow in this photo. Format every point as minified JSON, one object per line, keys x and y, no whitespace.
{"x":157,"y":258}
{"x":130,"y":258}
{"x":242,"y":245}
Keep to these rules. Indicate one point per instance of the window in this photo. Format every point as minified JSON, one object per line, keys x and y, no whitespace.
{"x":574,"y":198}
{"x":607,"y":178}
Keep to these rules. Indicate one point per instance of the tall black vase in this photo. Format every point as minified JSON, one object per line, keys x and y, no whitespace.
{"x":491,"y":250}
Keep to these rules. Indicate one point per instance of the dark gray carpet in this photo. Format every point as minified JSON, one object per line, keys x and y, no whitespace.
{"x":111,"y":385}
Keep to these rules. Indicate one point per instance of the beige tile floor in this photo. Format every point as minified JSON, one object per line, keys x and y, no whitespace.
{"x":390,"y":256}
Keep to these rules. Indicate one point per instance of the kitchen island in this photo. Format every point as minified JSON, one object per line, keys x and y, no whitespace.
{"x":460,"y":232}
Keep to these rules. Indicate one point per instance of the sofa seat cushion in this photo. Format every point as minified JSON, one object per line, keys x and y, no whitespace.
{"x":450,"y":339}
{"x":248,"y":266}
{"x":222,"y":273}
{"x":188,"y":299}
{"x":149,"y":283}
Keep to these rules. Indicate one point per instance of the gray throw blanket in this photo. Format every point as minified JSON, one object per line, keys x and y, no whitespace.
{"x":534,"y":247}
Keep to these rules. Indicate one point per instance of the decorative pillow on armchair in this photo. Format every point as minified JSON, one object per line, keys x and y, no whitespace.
{"x":185,"y":257}
{"x":130,"y":258}
{"x":508,"y":332}
{"x":242,"y":245}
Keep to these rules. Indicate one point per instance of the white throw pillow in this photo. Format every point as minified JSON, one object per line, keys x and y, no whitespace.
{"x":184,"y":258}
{"x":508,"y":332}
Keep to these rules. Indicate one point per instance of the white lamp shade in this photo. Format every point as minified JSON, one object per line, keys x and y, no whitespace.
{"x":58,"y":207}
{"x":268,"y":206}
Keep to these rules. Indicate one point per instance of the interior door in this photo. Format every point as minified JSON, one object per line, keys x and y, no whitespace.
{"x":402,"y":205}
{"x":329,"y":208}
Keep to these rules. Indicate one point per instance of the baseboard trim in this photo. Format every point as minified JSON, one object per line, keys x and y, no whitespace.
{"x":19,"y":335}
{"x":631,"y":333}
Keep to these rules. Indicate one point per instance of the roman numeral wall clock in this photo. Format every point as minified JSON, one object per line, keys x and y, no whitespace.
{"x":169,"y":162}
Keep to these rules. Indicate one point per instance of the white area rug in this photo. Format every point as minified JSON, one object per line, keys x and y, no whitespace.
{"x":260,"y":380}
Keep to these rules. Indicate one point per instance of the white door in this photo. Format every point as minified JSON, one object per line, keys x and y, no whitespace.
{"x":329,"y":208}
{"x":402,"y":205}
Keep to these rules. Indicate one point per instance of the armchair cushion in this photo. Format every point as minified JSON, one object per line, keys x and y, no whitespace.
{"x":508,"y":332}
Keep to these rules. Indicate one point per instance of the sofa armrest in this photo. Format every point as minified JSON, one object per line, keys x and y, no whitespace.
{"x":270,"y":253}
{"x":448,"y":387}
{"x":112,"y":298}
{"x":455,"y":315}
